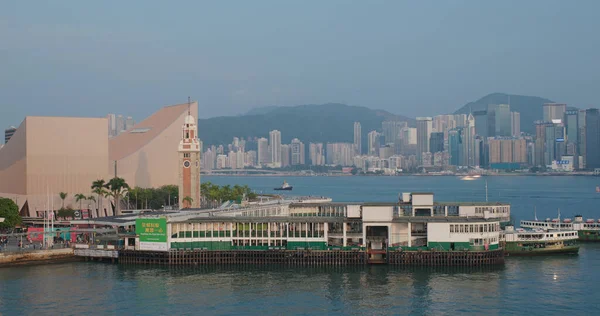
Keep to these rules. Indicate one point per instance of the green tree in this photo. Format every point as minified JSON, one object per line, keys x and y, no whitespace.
{"x":98,"y":189}
{"x":10,"y":212}
{"x":117,"y":188}
{"x":63,"y":196}
{"x":80,"y":198}
{"x":188,"y":201}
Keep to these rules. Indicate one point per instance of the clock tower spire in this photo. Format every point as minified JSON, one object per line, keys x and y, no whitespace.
{"x":189,"y":163}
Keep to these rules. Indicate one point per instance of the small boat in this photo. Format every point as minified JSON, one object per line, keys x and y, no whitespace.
{"x":284,"y":187}
{"x":597,"y":189}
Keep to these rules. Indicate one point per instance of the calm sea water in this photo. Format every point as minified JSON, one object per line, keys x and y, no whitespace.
{"x":534,"y":286}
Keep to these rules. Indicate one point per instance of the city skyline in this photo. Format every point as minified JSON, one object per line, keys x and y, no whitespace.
{"x":142,"y":63}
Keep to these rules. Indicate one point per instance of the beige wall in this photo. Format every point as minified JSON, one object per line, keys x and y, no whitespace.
{"x":12,"y":163}
{"x":151,"y":159}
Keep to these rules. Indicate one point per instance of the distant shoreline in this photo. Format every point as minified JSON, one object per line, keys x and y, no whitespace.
{"x":402,"y":175}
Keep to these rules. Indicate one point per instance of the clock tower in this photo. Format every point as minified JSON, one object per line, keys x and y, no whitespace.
{"x":189,"y":164}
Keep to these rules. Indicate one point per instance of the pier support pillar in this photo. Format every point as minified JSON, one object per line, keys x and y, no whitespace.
{"x":409,"y":234}
{"x":345,"y":241}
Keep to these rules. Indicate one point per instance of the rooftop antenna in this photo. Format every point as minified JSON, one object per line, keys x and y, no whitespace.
{"x":189,"y":105}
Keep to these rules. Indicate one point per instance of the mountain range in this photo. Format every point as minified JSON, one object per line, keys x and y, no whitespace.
{"x":334,"y":122}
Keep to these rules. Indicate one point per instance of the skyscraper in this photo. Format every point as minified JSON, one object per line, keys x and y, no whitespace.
{"x":112,"y":125}
{"x":455,"y":146}
{"x":357,"y":138}
{"x":424,"y":126}
{"x":317,"y":157}
{"x":275,"y":144}
{"x":592,"y":139}
{"x":285,"y":155}
{"x":499,"y":120}
{"x":515,"y":123}
{"x":540,"y":142}
{"x":554,"y":147}
{"x":572,"y":135}
{"x":468,"y":138}
{"x":129,"y":122}
{"x":481,"y":123}
{"x":264,"y":156}
{"x":554,"y":111}
{"x":436,"y":142}
{"x":581,"y":139}
{"x":373,"y":138}
{"x":297,"y":152}
{"x":391,"y":131}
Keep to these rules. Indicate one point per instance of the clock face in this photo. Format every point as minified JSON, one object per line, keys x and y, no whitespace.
{"x":186,"y":164}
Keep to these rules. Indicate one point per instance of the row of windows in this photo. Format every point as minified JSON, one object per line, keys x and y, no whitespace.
{"x":482,"y":241}
{"x":474,"y":228}
{"x":493,"y":210}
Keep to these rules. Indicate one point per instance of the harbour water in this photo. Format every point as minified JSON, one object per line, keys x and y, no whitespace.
{"x":534,"y":286}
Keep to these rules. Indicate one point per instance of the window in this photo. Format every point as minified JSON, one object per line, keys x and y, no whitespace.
{"x":462,"y":228}
{"x":451,"y":228}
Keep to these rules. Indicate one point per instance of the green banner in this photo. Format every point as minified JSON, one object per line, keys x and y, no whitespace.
{"x":151,"y":229}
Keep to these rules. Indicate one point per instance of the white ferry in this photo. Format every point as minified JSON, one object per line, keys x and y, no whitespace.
{"x":533,"y":242}
{"x":588,"y":230}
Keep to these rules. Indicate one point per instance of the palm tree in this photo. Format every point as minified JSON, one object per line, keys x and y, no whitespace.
{"x":91,"y":198}
{"x":79,"y":198}
{"x":98,"y":188}
{"x":117,"y":187}
{"x":63,"y":196}
{"x":188,"y":201}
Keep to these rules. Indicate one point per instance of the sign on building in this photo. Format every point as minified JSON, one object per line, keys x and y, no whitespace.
{"x":152,"y":233}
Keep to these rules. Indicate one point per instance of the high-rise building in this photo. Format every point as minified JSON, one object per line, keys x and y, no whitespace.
{"x":540,"y":143}
{"x":297,"y":150}
{"x":455,"y":146}
{"x":275,"y":144}
{"x":285,"y":155}
{"x":120,"y":124}
{"x":592,"y":139}
{"x":507,"y":153}
{"x":264,"y":156}
{"x":468,"y":138}
{"x":340,"y":154}
{"x":357,"y":138}
{"x":317,"y":157}
{"x":129,"y":123}
{"x":572,"y":135}
{"x":515,"y":123}
{"x":554,"y":111}
{"x":554,"y":144}
{"x":112,"y":125}
{"x":424,"y":126}
{"x":581,"y":139}
{"x":391,"y":131}
{"x":481,"y":123}
{"x":499,"y":121}
{"x":373,"y":138}
{"x":436,"y":142}
{"x":8,"y":133}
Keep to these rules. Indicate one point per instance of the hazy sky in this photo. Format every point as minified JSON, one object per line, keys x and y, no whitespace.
{"x":89,"y":58}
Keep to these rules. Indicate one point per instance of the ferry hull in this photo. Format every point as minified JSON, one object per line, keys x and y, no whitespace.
{"x":589,"y":235}
{"x":526,"y":252}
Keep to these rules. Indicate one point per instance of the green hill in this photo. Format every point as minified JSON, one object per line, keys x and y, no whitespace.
{"x":330,"y":122}
{"x":529,"y":107}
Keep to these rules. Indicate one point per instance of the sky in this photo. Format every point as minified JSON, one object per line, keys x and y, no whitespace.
{"x":415,"y":58}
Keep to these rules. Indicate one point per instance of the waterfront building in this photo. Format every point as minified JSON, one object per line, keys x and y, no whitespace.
{"x":189,"y":163}
{"x":515,"y":123}
{"x":554,"y":142}
{"x":207,"y":160}
{"x":8,"y":133}
{"x":48,"y":155}
{"x":373,"y":145}
{"x":572,"y":132}
{"x":386,"y":152}
{"x":250,"y":158}
{"x":436,"y":142}
{"x":554,"y":111}
{"x":507,"y":152}
{"x":424,"y":129}
{"x":264,"y":156}
{"x":468,"y":155}
{"x":316,"y":152}
{"x":592,"y":139}
{"x":285,"y":156}
{"x":357,"y":139}
{"x":381,"y":231}
{"x":275,"y":145}
{"x":297,"y":152}
{"x":221,"y":162}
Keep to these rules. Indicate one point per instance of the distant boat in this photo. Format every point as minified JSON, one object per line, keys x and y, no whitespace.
{"x":597,"y":189}
{"x":467,"y":178}
{"x":284,"y":187}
